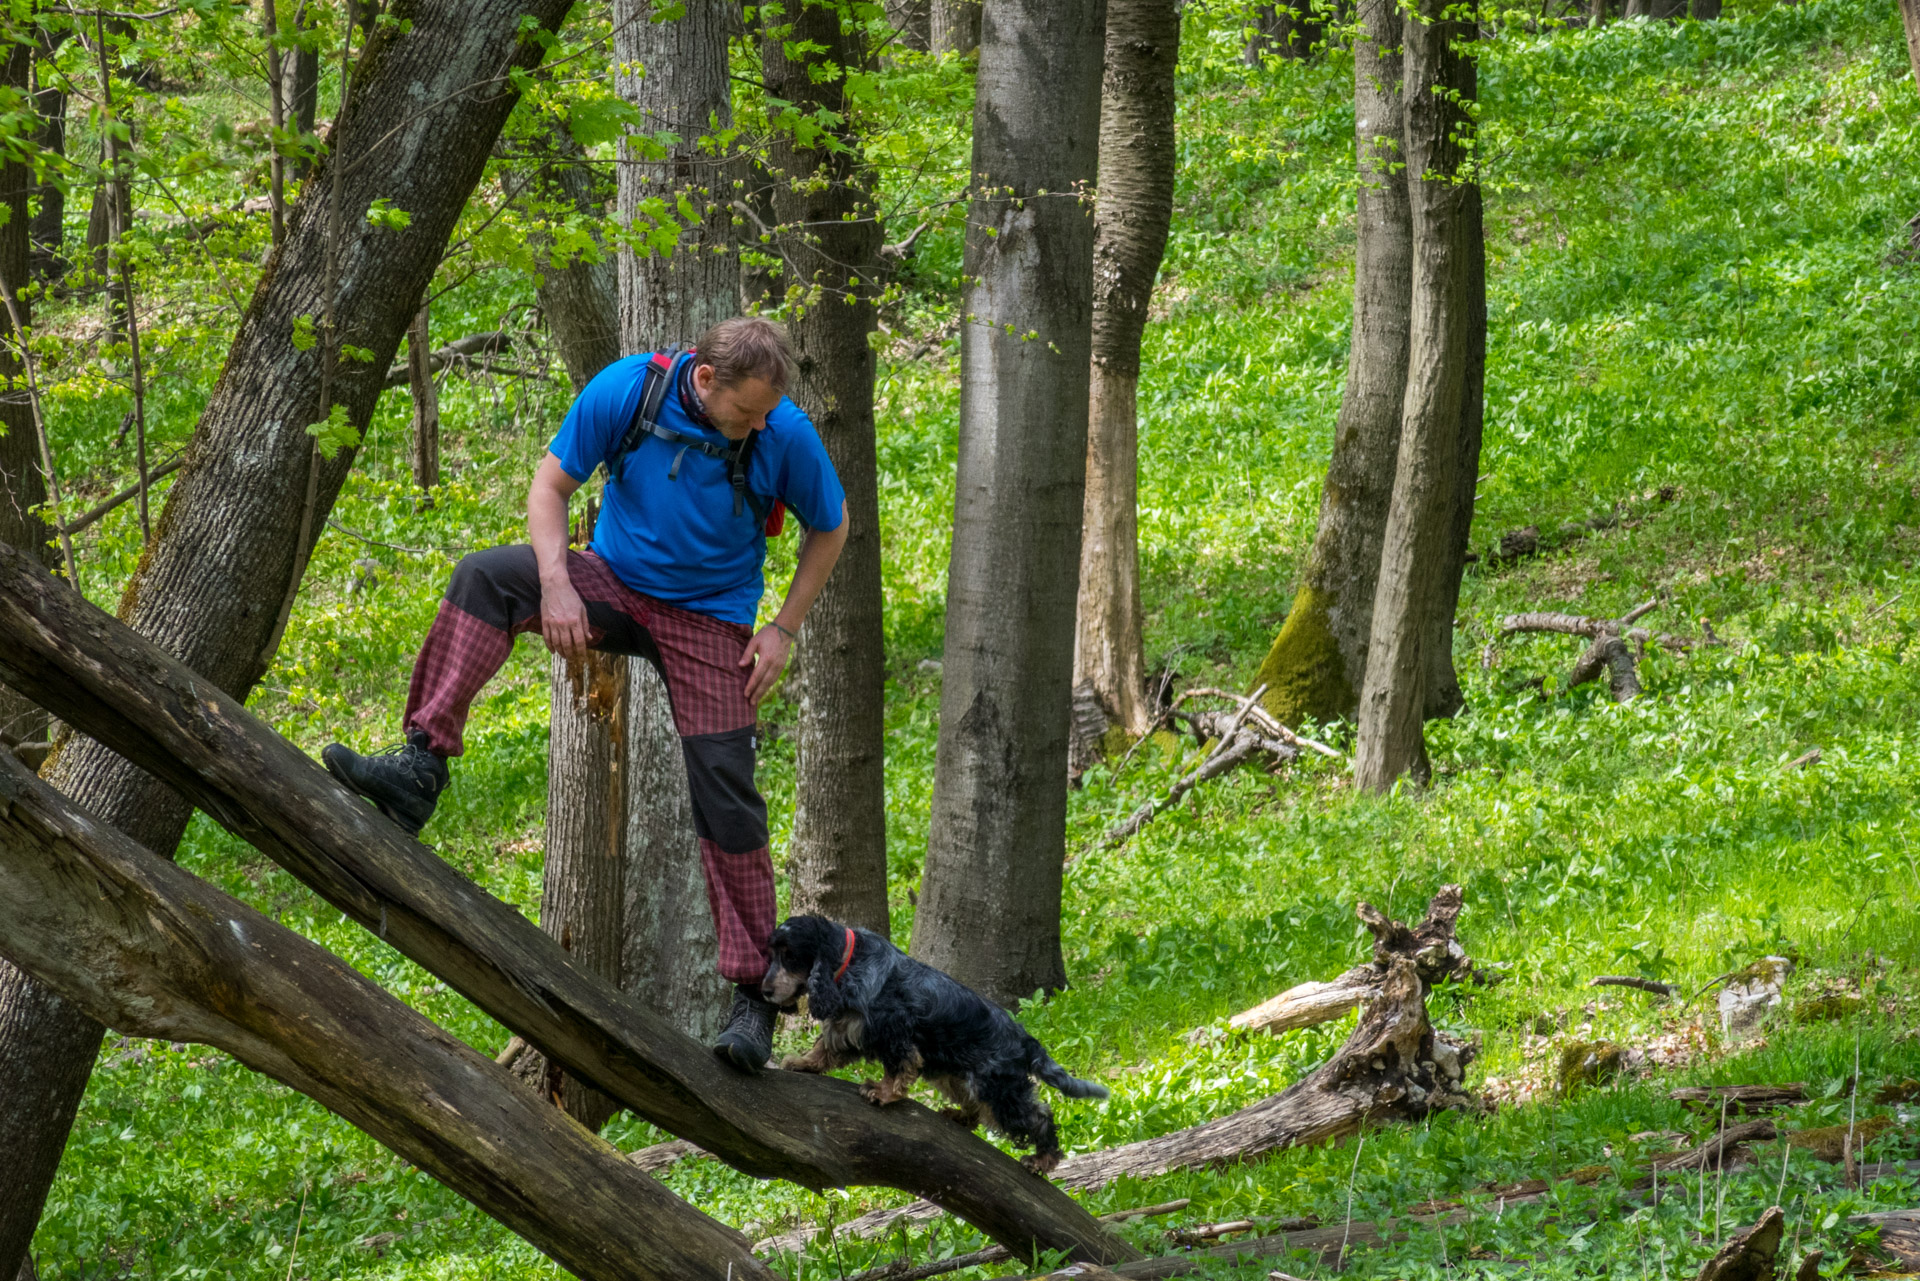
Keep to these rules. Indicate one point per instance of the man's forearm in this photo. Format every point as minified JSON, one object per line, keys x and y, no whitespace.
{"x":547,"y":531}
{"x":818,"y":554}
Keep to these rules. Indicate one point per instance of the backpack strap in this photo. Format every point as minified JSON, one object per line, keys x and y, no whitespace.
{"x":655,"y":384}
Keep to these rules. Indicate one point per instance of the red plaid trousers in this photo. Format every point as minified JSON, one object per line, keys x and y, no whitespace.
{"x":495,"y":595}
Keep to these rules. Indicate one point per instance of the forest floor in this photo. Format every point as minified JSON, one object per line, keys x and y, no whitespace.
{"x":1703,"y":313}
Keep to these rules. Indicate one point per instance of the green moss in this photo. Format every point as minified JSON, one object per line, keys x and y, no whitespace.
{"x":1304,"y":672}
{"x":1587,"y":1063}
{"x":1827,"y":1009}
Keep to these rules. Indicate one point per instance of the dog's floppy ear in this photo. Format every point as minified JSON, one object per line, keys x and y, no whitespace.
{"x":823,"y":994}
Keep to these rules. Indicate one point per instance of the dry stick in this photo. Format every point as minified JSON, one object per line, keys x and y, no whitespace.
{"x":115,"y":234}
{"x":1720,"y":1176}
{"x":106,"y":505}
{"x":277,"y":117}
{"x":40,"y":428}
{"x":1347,"y":1234}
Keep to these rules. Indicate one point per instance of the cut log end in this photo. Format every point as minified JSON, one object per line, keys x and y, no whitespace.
{"x":1749,"y":1256}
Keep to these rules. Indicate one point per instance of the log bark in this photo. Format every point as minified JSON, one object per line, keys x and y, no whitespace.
{"x":955,"y":25}
{"x":153,"y":951}
{"x":425,"y":450}
{"x":103,"y":679}
{"x":1310,"y":1004}
{"x":1750,"y":1255}
{"x":427,"y":102}
{"x":837,"y":861}
{"x":1318,"y":661}
{"x":1130,"y":224}
{"x":1412,"y":596}
{"x":666,"y":299}
{"x":1899,"y":1234}
{"x":1910,"y":19}
{"x":990,"y":908}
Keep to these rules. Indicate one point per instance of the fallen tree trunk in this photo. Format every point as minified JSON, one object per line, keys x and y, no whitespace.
{"x":151,"y":950}
{"x":106,"y":681}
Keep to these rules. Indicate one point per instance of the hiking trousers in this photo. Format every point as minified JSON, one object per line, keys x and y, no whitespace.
{"x":495,"y":595}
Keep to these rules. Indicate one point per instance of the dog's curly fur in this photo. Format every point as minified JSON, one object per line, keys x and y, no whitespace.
{"x":916,"y":1021}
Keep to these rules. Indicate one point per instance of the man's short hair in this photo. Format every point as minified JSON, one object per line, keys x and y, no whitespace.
{"x":748,"y":347}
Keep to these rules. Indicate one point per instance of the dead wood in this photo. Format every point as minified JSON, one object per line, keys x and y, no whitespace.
{"x":1432,"y":945}
{"x":877,"y":1221}
{"x":104,"y":680}
{"x":151,"y":950}
{"x":1654,"y":986}
{"x":1749,"y":1256}
{"x":1726,"y":1146}
{"x":1809,"y":1269}
{"x":1612,"y":649}
{"x":1740,"y":1098}
{"x":1899,"y":1234}
{"x":1802,"y":761}
{"x":470,"y":352}
{"x":661,"y":1155}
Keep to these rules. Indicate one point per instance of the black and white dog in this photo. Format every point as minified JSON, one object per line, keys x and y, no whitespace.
{"x":875,"y":1002}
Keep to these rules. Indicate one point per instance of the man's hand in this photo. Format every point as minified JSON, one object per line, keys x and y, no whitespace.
{"x":767,"y":654}
{"x":563,"y":619}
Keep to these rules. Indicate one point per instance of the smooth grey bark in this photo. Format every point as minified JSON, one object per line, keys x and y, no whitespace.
{"x":1130,"y":225}
{"x":1318,"y":661}
{"x":955,"y":25}
{"x":155,"y":952}
{"x":1412,"y":593}
{"x":837,"y":861}
{"x":226,"y":549}
{"x":990,"y":907}
{"x":666,"y":299}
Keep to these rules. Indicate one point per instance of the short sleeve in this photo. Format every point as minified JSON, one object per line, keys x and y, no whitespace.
{"x":808,"y":483}
{"x":595,"y":423}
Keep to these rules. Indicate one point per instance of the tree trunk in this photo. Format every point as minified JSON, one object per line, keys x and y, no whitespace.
{"x":426,"y":405}
{"x":837,"y":863}
{"x":579,"y":298}
{"x":913,"y":21}
{"x":153,"y":951}
{"x":1285,"y":31}
{"x":50,"y":213}
{"x":663,"y":300}
{"x":954,"y":25}
{"x":1130,"y":223}
{"x":1709,"y":11}
{"x":303,"y":77}
{"x":1319,"y":659}
{"x":1421,"y":520}
{"x":1909,"y":15}
{"x":1598,"y":11}
{"x":990,"y":908}
{"x":1668,"y":10}
{"x":229,"y":544}
{"x":1636,"y":8}
{"x":99,"y":676}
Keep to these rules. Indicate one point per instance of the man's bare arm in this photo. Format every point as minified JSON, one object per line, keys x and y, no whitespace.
{"x":563,"y":619}
{"x":767,"y":652}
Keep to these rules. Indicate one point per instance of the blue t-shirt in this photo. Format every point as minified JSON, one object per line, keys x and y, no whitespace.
{"x":680,"y":540}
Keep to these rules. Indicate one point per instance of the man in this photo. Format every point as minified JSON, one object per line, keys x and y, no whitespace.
{"x":673,"y":575}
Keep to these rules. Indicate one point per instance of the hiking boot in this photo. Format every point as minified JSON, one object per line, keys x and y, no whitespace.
{"x":403,"y":782}
{"x":747,"y":1040}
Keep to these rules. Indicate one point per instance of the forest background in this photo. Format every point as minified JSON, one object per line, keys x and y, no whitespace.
{"x":1702,"y":306}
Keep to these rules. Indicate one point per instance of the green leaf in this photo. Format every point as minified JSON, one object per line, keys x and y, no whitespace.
{"x":335,"y":433}
{"x":381,"y":213}
{"x":304,"y":336}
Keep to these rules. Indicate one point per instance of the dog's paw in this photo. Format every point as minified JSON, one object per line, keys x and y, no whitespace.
{"x":1042,"y":1163}
{"x":801,"y":1063}
{"x":881,"y":1092}
{"x":965,"y":1117}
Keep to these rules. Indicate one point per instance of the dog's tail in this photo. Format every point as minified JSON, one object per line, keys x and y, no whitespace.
{"x":1041,"y":1064}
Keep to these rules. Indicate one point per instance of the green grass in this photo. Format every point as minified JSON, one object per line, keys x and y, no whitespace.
{"x":1698,"y":283}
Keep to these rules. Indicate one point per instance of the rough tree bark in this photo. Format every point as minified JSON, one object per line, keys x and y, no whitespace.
{"x":1130,"y":223}
{"x":666,"y":299}
{"x":955,"y":25}
{"x":99,"y":676}
{"x":230,"y":538}
{"x":1910,"y":17}
{"x":153,"y":951}
{"x":1319,"y":659}
{"x":990,"y":908}
{"x":425,"y":449}
{"x":50,"y":214}
{"x":22,"y":487}
{"x":1419,"y":543}
{"x":837,"y":861}
{"x":913,"y":21}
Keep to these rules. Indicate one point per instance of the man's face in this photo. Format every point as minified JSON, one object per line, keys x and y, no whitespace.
{"x":738,"y":409}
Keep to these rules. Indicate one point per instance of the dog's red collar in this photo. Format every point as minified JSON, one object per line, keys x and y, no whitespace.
{"x":846,"y":960}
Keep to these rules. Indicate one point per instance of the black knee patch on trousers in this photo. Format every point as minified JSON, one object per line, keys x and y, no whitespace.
{"x":499,"y":586}
{"x":727,"y":808}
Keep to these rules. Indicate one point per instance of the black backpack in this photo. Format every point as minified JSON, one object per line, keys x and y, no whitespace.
{"x":738,"y":455}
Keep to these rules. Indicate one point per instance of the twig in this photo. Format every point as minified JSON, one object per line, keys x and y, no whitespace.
{"x":107,"y":505}
{"x":395,"y":547}
{"x":1645,"y":985}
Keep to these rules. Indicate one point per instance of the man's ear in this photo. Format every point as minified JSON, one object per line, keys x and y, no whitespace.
{"x":823,"y":994}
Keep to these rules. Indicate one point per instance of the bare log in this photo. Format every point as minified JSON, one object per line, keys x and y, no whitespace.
{"x":1308,"y":1004}
{"x":1740,"y":1098}
{"x":108,"y":682}
{"x":1899,"y":1234}
{"x":1654,"y":986}
{"x":1749,"y":1256}
{"x":151,"y":950}
{"x":1719,"y":1150}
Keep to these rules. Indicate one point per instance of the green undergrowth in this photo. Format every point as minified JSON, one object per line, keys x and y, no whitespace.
{"x":1702,"y":320}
